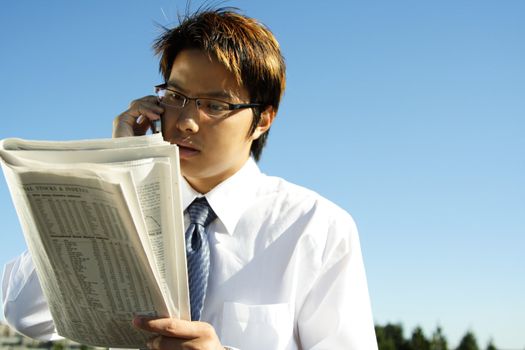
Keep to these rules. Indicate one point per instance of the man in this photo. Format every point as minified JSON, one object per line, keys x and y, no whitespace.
{"x":285,"y":268}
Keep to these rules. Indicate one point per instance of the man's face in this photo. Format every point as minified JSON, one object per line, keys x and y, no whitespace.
{"x":211,"y":150}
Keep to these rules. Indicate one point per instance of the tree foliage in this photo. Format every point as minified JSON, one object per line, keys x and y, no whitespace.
{"x":391,"y":337}
{"x":438,"y":341}
{"x":491,"y":346}
{"x":418,"y":341}
{"x":468,"y":342}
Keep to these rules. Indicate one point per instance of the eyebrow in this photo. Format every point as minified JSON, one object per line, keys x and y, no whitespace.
{"x":212,"y":94}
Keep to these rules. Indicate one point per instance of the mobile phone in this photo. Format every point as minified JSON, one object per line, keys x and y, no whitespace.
{"x":156,"y":126}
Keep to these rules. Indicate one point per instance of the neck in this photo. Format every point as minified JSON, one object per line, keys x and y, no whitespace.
{"x":205,"y":185}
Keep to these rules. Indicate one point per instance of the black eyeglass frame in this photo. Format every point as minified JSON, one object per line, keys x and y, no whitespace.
{"x":231,"y":106}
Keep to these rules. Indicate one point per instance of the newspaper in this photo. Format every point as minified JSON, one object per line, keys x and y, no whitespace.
{"x":103,"y":222}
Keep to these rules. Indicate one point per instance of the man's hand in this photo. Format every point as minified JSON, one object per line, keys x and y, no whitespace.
{"x":136,"y":120}
{"x":177,"y":334}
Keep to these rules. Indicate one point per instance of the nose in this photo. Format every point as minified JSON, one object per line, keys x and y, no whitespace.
{"x":188,"y":119}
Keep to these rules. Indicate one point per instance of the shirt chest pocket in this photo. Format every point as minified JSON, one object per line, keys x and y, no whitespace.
{"x":251,"y":327}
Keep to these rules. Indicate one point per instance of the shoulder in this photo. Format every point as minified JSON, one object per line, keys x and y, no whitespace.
{"x":296,"y":195}
{"x":319,"y":228}
{"x":306,"y":206}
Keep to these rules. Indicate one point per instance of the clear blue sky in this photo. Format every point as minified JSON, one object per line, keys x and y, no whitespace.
{"x":408,"y":114}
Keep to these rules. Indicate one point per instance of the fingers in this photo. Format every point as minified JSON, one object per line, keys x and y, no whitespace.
{"x":136,"y":120}
{"x":173,"y":327}
{"x":168,"y":343}
{"x":178,"y":334}
{"x":147,"y":107}
{"x":161,"y":342}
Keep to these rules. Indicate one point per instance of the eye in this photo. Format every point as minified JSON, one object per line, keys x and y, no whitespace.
{"x":214,"y":106}
{"x":175,"y":98}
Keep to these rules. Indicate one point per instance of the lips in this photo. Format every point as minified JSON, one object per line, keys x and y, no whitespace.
{"x":186,"y":150}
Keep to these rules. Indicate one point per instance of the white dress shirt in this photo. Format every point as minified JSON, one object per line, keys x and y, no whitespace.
{"x":286,"y":271}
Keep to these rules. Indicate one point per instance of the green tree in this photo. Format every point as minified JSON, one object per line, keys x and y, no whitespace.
{"x":468,"y":342}
{"x":438,"y":341}
{"x":418,"y":341}
{"x":491,"y":346}
{"x":383,"y":343}
{"x":390,"y":337}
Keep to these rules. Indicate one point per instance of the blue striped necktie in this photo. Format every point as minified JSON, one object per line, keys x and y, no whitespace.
{"x":198,"y":253}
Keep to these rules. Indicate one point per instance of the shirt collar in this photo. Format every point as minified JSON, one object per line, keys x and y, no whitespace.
{"x":230,"y":198}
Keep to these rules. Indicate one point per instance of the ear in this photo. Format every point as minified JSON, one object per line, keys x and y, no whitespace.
{"x":266,"y":120}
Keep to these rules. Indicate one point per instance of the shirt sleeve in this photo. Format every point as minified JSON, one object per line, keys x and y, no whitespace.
{"x":337,"y":313}
{"x":25,"y":308}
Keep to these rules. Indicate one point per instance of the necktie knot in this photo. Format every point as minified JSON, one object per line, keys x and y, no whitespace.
{"x":200,"y":212}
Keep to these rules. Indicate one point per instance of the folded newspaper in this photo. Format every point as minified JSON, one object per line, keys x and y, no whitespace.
{"x":103,"y":222}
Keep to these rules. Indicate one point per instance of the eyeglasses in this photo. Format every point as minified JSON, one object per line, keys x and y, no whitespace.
{"x":209,"y":106}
